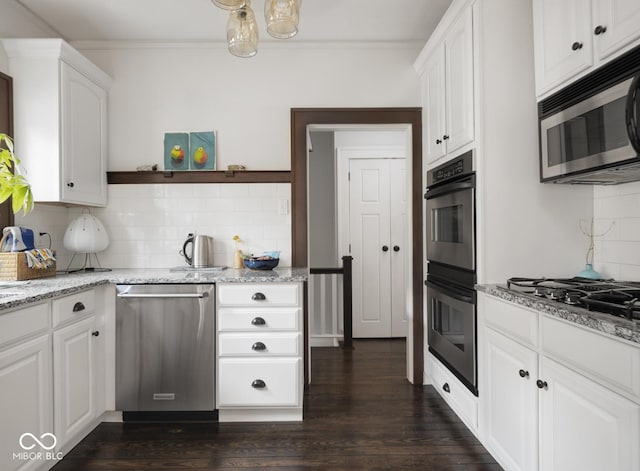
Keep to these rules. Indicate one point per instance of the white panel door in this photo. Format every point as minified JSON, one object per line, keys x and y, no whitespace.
{"x":378,"y":225}
{"x":399,"y":250}
{"x":370,"y":230}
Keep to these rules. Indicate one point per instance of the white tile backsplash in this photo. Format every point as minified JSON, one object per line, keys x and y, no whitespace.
{"x":617,"y":253}
{"x":148,"y":223}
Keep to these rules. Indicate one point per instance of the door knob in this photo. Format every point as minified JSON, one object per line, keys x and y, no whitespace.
{"x":95,"y":333}
{"x":396,"y":248}
{"x":523,"y":373}
{"x":575,"y":46}
{"x":542,"y":384}
{"x":599,"y":30}
{"x":438,"y":141}
{"x":70,"y":185}
{"x":445,"y":137}
{"x":446,"y":387}
{"x":385,"y":248}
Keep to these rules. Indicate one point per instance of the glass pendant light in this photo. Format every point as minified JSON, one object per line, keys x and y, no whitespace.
{"x":242,"y":32}
{"x":229,"y":4}
{"x":282,"y":17}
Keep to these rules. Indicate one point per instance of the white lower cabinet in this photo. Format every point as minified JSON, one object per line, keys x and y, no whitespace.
{"x":584,"y":425}
{"x":78,"y":378}
{"x":260,"y":374}
{"x":511,"y":401}
{"x":27,"y":405}
{"x":554,"y":414}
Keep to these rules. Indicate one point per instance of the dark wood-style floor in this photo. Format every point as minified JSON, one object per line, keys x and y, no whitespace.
{"x":360,"y":414}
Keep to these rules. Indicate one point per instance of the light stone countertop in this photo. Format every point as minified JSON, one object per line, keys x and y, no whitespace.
{"x":609,"y":324}
{"x":62,"y":284}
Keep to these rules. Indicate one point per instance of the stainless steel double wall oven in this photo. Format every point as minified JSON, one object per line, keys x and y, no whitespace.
{"x":451,"y":272}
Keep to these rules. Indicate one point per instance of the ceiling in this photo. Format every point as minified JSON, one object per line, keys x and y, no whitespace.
{"x":200,"y":20}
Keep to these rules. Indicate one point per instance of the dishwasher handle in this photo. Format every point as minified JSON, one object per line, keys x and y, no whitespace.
{"x":163,"y":295}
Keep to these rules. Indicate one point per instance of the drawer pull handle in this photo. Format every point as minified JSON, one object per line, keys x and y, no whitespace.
{"x":258,"y":346}
{"x":258,"y":321}
{"x":258,"y":297}
{"x":95,"y":333}
{"x":258,"y":384}
{"x":542,"y":384}
{"x":523,"y":374}
{"x":446,"y":387}
{"x":77,"y":307}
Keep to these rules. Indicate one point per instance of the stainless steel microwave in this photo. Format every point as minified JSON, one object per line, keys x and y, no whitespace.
{"x":593,"y":138}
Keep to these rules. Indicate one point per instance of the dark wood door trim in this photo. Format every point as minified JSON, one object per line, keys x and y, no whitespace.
{"x":6,"y":127}
{"x":300,"y":119}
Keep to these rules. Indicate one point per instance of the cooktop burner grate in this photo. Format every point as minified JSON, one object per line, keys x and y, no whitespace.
{"x":607,"y":296}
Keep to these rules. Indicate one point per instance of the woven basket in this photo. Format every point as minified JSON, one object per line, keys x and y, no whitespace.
{"x":13,"y":267}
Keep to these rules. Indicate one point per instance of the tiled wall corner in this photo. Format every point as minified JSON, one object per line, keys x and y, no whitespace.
{"x":616,"y":215}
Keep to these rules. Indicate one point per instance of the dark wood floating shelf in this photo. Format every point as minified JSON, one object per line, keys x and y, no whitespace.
{"x":245,"y":176}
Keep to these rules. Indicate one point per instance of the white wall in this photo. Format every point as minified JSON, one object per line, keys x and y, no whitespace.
{"x":616,"y":216}
{"x":160,"y":89}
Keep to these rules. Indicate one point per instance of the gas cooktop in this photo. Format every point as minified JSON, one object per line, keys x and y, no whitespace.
{"x":620,"y":299}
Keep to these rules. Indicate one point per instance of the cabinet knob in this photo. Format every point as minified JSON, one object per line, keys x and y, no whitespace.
{"x":600,"y":29}
{"x":396,"y":248}
{"x":523,"y":374}
{"x":576,"y":45}
{"x":258,"y":384}
{"x":95,"y":333}
{"x":258,"y":346}
{"x":258,"y":297}
{"x":77,"y":307}
{"x":542,"y":384}
{"x":385,"y":248}
{"x":258,"y":321}
{"x":70,"y":185}
{"x":446,"y":387}
{"x":445,"y":137}
{"x":438,"y":141}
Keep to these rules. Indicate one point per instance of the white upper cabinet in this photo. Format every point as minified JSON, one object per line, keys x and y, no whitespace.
{"x":447,"y":91}
{"x":60,"y":115}
{"x":572,"y":36}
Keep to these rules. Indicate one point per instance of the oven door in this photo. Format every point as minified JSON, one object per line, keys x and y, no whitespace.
{"x":451,"y":313}
{"x":450,"y":229}
{"x":597,"y":132}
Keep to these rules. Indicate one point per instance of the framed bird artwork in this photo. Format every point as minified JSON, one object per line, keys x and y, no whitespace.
{"x":202,"y":150}
{"x":176,"y":151}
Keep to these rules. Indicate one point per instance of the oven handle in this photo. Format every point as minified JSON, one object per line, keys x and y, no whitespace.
{"x":451,"y":291}
{"x":631,"y":115}
{"x":449,"y":188}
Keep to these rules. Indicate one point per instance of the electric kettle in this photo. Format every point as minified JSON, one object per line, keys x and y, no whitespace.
{"x":201,"y":255}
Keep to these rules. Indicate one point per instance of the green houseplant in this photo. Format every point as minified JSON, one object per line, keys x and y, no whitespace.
{"x":13,"y":184}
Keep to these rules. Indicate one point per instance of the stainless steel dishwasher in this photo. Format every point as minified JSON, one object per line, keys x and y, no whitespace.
{"x":165,"y":352}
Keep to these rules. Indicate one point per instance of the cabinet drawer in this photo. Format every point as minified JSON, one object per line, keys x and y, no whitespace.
{"x":255,"y":294}
{"x":23,"y":323}
{"x":266,"y":344}
{"x":73,"y":306}
{"x":238,"y":382}
{"x":259,"y":319}
{"x":454,"y":392}
{"x":518,"y":322}
{"x":613,"y":363}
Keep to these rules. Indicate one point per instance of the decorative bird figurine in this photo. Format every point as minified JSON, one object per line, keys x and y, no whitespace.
{"x":200,"y":156}
{"x":177,"y":153}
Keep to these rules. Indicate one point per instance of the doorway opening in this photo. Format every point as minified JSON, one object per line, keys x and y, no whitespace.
{"x":408,"y":118}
